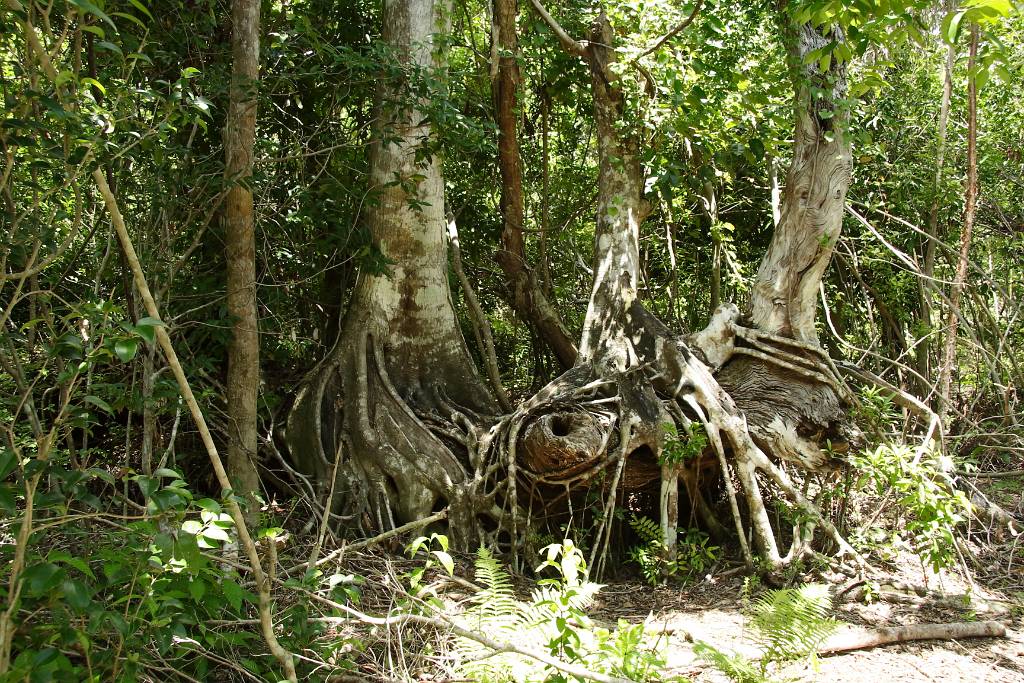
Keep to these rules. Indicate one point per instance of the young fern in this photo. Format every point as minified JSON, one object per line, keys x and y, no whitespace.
{"x":792,"y":623}
{"x":789,"y":623}
{"x":496,"y":604}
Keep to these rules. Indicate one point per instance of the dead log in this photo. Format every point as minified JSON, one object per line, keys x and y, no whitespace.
{"x":862,"y":639}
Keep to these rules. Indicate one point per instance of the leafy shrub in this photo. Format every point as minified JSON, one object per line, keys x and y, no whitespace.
{"x":930,"y":508}
{"x":694,"y":554}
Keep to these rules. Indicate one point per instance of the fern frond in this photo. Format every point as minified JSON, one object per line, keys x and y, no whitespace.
{"x":792,"y":623}
{"x":737,"y":667}
{"x":496,"y":604}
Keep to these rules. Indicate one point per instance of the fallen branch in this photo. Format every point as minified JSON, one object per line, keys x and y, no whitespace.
{"x":861,"y":639}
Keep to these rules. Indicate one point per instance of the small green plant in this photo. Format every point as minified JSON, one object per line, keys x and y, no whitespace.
{"x":788,"y":624}
{"x":931,"y":507}
{"x":694,"y":552}
{"x":678,"y":448}
{"x":555,"y":620}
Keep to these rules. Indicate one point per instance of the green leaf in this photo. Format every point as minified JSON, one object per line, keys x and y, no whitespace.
{"x":8,"y":462}
{"x":94,"y":83}
{"x":76,"y":594}
{"x":92,"y":9}
{"x":446,"y":561}
{"x":142,"y":8}
{"x":126,"y":349}
{"x":8,"y":502}
{"x":99,"y":403}
{"x":164,"y":472}
{"x":216,"y":533}
{"x":109,"y":47}
{"x":209,"y":504}
{"x":43,"y":578}
{"x":197,"y":589}
{"x":951,"y":25}
{"x":233,"y":593}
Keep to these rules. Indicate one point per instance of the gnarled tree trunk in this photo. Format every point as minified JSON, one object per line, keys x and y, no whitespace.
{"x":782,"y":380}
{"x":398,"y":397}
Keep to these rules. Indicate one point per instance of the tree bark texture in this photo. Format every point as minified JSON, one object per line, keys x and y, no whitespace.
{"x":529,"y":299}
{"x":791,"y":412}
{"x":395,"y":398}
{"x":785,"y":294}
{"x":244,"y":348}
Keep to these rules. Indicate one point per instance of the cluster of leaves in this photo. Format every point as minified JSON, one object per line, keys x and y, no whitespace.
{"x":930,"y":507}
{"x":694,"y":552}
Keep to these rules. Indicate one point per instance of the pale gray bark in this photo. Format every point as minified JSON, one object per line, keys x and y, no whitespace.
{"x":399,"y":394}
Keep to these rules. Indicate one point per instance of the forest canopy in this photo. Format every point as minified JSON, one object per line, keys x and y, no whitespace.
{"x":636,"y":287}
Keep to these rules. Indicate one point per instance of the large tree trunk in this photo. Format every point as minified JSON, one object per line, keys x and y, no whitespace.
{"x":527,"y":292}
{"x":397,"y":398}
{"x":795,"y":406}
{"x":243,"y":377}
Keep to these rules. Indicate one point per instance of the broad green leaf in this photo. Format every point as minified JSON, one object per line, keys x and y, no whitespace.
{"x":126,"y":349}
{"x":233,"y":593}
{"x":99,"y":403}
{"x":92,"y":9}
{"x":76,"y":594}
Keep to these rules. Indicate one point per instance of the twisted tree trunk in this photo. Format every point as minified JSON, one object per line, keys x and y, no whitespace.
{"x":795,"y":406}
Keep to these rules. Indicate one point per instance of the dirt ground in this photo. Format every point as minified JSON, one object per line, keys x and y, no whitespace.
{"x":713,"y":611}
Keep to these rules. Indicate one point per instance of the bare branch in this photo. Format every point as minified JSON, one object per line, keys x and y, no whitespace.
{"x":671,"y":34}
{"x":576,"y":47}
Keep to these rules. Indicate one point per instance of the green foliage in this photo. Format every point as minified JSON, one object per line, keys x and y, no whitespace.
{"x":555,"y":620}
{"x":929,"y":507}
{"x":679,"y":448}
{"x":694,"y":554}
{"x":788,"y":624}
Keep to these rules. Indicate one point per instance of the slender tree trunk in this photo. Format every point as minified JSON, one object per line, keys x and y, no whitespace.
{"x":926,"y":285}
{"x":244,"y":348}
{"x":528,"y":295}
{"x":970,"y":204}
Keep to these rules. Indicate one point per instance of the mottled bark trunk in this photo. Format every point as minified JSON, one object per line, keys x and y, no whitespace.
{"x":529,"y":299}
{"x":244,"y":349}
{"x":785,"y":294}
{"x":616,"y":263}
{"x":400,"y":363}
{"x":791,"y":412}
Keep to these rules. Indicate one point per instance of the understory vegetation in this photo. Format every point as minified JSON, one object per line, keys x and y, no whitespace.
{"x":373,"y":341}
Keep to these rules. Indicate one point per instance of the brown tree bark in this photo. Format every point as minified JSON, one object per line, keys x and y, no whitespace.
{"x":243,"y":376}
{"x":529,"y":299}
